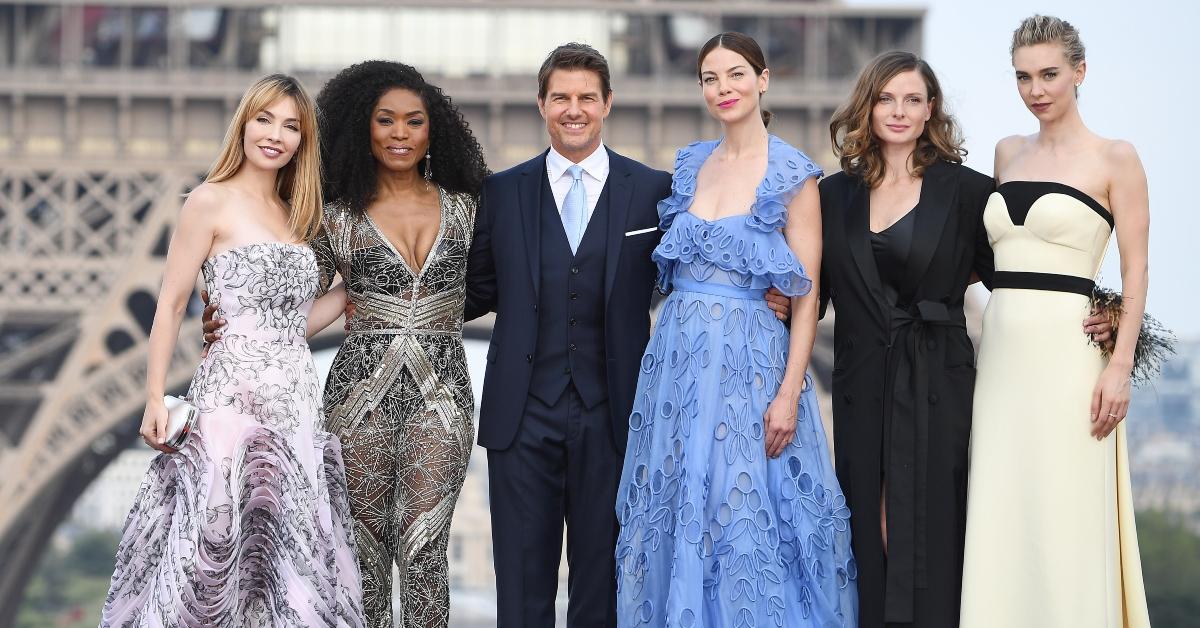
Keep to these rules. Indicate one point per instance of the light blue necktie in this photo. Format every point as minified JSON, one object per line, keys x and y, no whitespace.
{"x":573,"y":208}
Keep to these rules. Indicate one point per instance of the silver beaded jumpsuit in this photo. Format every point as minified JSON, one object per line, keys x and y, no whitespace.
{"x":399,"y":398}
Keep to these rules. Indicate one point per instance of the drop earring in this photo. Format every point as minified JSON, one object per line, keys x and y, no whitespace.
{"x":428,"y":167}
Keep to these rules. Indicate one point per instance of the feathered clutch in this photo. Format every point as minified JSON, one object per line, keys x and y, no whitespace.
{"x":1155,"y":343}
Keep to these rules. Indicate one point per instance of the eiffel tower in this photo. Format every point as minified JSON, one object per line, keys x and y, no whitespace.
{"x":110,"y":113}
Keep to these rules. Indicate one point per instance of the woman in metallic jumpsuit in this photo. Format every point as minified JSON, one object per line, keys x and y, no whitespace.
{"x":397,"y":229}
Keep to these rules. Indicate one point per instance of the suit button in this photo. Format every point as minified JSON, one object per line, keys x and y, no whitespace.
{"x":846,"y":398}
{"x":566,"y":370}
{"x":529,"y":357}
{"x":573,"y":347}
{"x":933,"y":398}
{"x":574,"y":270}
{"x":534,"y":307}
{"x":574,"y":295}
{"x":571,"y":322}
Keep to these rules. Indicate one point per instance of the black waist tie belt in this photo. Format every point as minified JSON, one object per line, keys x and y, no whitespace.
{"x":914,"y":347}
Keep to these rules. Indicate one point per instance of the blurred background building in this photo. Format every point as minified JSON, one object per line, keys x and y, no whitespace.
{"x":110,"y":111}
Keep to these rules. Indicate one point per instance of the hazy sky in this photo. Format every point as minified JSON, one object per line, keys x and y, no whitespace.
{"x":1141,"y":86}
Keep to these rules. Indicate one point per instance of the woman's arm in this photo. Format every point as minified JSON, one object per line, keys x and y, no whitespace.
{"x":190,"y":245}
{"x":803,"y":235}
{"x":1130,"y":202}
{"x":326,"y":309}
{"x":322,"y":247}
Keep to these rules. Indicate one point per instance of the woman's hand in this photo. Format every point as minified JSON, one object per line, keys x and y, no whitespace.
{"x":1110,"y":399}
{"x":780,"y":423}
{"x":211,"y":322}
{"x":154,"y":426}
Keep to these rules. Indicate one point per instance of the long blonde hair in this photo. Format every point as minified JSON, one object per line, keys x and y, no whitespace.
{"x":299,"y":182}
{"x":850,"y":129}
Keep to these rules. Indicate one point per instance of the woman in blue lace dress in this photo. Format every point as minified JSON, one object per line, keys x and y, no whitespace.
{"x":729,"y":508}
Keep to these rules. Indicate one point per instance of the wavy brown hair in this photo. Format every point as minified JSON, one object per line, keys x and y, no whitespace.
{"x":850,"y":128}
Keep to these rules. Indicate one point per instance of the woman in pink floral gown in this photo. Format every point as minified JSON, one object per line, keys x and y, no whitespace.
{"x":247,"y":524}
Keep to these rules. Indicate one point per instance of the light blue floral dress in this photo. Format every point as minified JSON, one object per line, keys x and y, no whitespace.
{"x":713,"y":532}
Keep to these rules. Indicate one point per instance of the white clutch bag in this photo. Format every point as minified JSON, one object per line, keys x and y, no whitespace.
{"x":181,"y":421}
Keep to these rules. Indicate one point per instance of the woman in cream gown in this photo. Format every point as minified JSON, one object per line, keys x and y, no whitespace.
{"x":1050,"y":530}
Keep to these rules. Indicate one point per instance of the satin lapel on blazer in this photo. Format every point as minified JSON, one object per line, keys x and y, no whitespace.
{"x":858,"y":236}
{"x":620,"y":189}
{"x":939,"y":195}
{"x":529,"y":192}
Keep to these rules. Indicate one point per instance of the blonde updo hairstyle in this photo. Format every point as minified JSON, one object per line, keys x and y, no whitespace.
{"x":1047,"y":29}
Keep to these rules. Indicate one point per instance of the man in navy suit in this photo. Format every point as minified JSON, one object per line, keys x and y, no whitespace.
{"x":561,"y":253}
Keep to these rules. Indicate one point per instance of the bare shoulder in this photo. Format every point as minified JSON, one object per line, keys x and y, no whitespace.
{"x":206,"y":198}
{"x":1009,"y":146}
{"x":1121,"y":154}
{"x":1006,"y":150}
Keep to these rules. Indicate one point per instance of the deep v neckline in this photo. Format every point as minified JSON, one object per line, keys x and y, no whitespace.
{"x":428,"y":254}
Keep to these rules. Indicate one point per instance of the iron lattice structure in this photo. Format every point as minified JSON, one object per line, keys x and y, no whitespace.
{"x":110,"y":112}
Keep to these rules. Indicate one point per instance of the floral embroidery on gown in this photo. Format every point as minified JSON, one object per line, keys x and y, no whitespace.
{"x":248,"y":524}
{"x":713,"y":532}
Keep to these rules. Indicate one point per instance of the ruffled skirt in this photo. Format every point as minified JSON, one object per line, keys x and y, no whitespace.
{"x":248,"y":524}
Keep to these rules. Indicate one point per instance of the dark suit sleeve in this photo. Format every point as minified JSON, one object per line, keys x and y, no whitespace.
{"x":985,"y":263}
{"x":481,"y":265}
{"x":826,"y":189}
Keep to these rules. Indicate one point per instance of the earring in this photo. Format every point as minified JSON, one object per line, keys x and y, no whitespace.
{"x":428,"y":167}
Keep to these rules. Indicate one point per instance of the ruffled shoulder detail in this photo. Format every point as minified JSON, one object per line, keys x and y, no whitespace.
{"x":787,"y":170}
{"x":730,"y":245}
{"x":688,"y":161}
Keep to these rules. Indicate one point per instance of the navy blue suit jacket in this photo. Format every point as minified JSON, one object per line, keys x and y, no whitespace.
{"x":502,"y":277}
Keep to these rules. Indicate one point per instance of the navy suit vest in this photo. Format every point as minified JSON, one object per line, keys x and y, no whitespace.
{"x":570,"y":345}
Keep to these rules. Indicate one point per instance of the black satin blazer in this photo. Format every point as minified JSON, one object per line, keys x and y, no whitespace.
{"x":903,"y":380}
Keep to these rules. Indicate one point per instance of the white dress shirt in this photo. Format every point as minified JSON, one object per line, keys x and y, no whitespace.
{"x":595,"y":173}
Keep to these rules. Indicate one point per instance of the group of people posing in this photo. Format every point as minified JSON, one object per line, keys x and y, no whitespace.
{"x":690,"y":466}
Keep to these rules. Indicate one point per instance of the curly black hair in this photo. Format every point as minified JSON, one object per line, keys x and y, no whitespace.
{"x":344,"y":109}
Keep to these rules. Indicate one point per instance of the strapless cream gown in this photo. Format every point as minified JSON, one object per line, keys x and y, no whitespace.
{"x":1050,"y":540}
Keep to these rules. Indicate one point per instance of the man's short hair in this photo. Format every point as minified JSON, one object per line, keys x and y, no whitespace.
{"x":574,"y":56}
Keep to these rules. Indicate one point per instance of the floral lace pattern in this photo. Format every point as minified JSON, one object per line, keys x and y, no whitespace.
{"x":714,"y":532}
{"x":248,"y":524}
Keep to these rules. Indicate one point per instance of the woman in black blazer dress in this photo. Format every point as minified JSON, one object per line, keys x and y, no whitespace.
{"x":903,"y":238}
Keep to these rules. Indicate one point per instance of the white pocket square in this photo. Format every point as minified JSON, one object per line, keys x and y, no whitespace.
{"x":640,"y":231}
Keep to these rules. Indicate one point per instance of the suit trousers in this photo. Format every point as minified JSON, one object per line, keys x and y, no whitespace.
{"x":562,"y":466}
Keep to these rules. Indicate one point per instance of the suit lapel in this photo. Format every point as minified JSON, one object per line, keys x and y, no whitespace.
{"x":620,"y":191}
{"x":939,"y":195}
{"x":858,"y":236}
{"x":529,"y":191}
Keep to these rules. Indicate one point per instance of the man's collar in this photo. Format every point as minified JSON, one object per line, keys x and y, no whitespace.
{"x":595,"y":164}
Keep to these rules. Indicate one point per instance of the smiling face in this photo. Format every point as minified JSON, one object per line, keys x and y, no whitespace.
{"x":901,"y":109}
{"x":1046,"y":79}
{"x":399,"y":130}
{"x":271,"y":136}
{"x":731,"y":87}
{"x":574,"y":109}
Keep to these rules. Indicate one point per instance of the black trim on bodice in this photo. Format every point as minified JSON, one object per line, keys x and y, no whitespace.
{"x":1019,"y":196}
